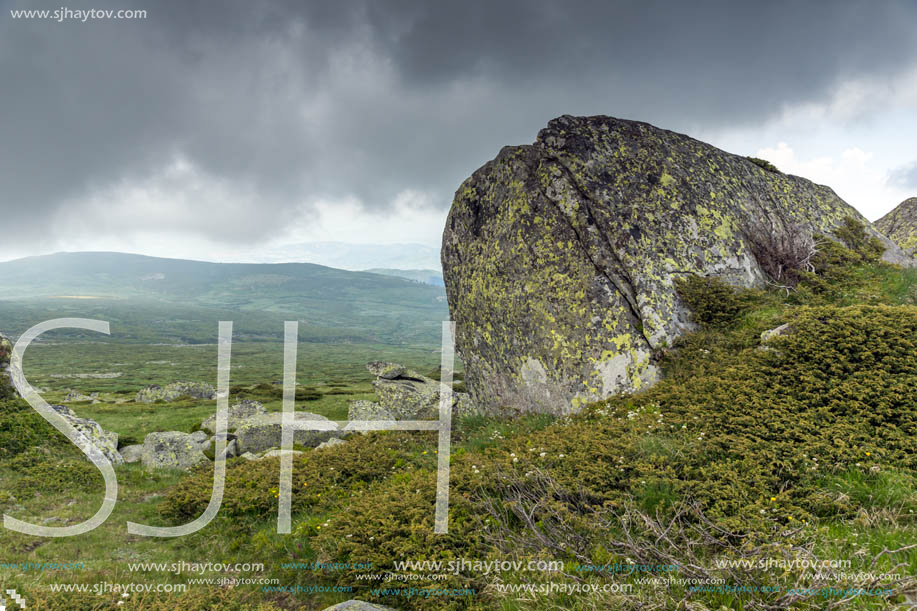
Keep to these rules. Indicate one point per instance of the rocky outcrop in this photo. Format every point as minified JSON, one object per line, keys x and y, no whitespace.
{"x":404,"y":395}
{"x":368,"y":410}
{"x":560,"y":257}
{"x":106,"y":441}
{"x":901,"y":225}
{"x":174,"y":450}
{"x":176,"y":390}
{"x":263,"y":432}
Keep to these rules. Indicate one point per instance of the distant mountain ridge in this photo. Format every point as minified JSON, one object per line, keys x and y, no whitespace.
{"x":341,"y":255}
{"x":427,"y":276}
{"x":359,"y":305}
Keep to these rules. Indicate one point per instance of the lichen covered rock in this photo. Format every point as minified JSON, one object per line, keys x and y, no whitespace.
{"x":106,"y":441}
{"x":901,"y":225}
{"x":263,"y":432}
{"x":174,"y":450}
{"x":560,"y":257}
{"x":238,"y":413}
{"x":132,"y":453}
{"x":405,"y":395}
{"x":360,"y":409}
{"x":388,"y":371}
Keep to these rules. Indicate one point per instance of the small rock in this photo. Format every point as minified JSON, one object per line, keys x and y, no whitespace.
{"x":132,"y":454}
{"x":386,"y":371}
{"x":334,"y":441}
{"x":278,"y":452}
{"x":75,"y":395}
{"x":172,"y":449}
{"x":784,"y":329}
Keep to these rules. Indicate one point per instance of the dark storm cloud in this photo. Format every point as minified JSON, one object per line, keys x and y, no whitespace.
{"x":281,"y":103}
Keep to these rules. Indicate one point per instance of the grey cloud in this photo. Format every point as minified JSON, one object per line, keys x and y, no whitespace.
{"x":292,"y":101}
{"x":904,"y":176}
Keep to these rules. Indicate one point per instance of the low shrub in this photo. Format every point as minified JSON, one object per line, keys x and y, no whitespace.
{"x":712,"y":302}
{"x":764,"y":164}
{"x":318,"y":477}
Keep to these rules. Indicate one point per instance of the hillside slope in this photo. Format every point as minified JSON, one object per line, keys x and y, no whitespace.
{"x":335,"y":303}
{"x":901,"y":225}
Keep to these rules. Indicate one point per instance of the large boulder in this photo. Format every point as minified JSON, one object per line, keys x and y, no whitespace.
{"x":901,"y":225}
{"x":238,"y":413}
{"x":409,"y":396}
{"x":387,"y":371}
{"x":360,"y":409}
{"x":174,"y":450}
{"x":560,"y":257}
{"x":263,"y":432}
{"x":106,"y":441}
{"x":175,"y":390}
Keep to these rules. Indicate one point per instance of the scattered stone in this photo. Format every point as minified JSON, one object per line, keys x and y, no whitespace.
{"x":238,"y":413}
{"x":106,"y":441}
{"x":770,"y":334}
{"x":75,"y":395}
{"x":405,"y":395}
{"x":176,"y":390}
{"x":172,"y":449}
{"x":133,"y":453}
{"x":409,"y":398}
{"x":362,"y":409}
{"x":248,"y":456}
{"x":334,"y":441}
{"x":278,"y":452}
{"x":387,"y":371}
{"x":231,"y":451}
{"x":263,"y":431}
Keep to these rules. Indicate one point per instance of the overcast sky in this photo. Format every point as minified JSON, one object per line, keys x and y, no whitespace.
{"x":213,"y":130}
